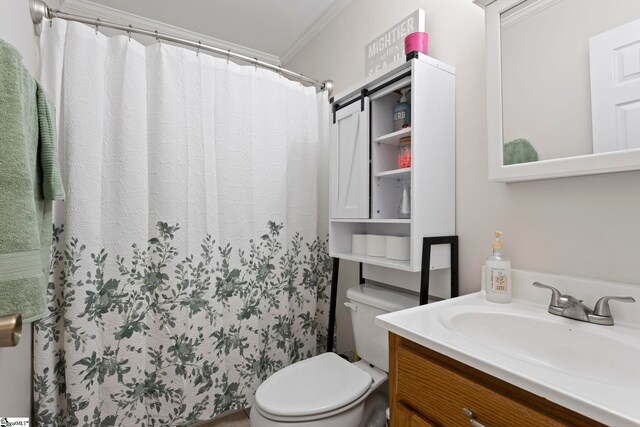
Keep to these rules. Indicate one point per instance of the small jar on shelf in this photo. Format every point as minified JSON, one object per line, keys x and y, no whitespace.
{"x":404,"y":209}
{"x":404,"y":153}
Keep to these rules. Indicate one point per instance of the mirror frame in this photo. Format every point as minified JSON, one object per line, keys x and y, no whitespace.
{"x":615,"y":161}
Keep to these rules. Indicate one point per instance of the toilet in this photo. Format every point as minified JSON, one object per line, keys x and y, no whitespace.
{"x":328,"y":391}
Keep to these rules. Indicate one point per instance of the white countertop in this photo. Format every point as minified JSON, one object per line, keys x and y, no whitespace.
{"x":591,"y":369}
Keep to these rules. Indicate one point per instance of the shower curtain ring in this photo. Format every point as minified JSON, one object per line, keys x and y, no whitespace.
{"x":198,"y":49}
{"x":157,"y":39}
{"x":97,"y":24}
{"x":129,"y":31}
{"x":228,"y":55}
{"x":279,"y":71}
{"x":255,"y":64}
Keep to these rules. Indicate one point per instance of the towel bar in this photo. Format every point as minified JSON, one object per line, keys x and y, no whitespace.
{"x":10,"y":330}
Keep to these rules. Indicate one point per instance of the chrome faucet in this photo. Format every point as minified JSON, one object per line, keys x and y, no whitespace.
{"x":573,"y":308}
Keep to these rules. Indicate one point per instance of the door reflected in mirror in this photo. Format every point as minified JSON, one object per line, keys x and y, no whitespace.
{"x":570,"y":78}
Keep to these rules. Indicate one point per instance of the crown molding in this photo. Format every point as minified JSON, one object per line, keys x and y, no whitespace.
{"x":327,"y":16}
{"x":526,"y":12}
{"x":107,"y":13}
{"x":483,"y":3}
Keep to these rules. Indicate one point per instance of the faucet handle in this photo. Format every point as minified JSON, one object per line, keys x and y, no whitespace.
{"x":555,"y":294}
{"x":602,"y":306}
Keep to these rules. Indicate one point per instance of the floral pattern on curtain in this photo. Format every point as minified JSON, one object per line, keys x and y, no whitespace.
{"x":158,"y":282}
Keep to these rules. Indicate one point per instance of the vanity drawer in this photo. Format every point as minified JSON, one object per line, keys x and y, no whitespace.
{"x":441,"y":394}
{"x":406,"y":417}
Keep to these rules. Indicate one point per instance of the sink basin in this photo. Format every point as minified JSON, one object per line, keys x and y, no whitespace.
{"x":591,"y":369}
{"x":549,"y":341}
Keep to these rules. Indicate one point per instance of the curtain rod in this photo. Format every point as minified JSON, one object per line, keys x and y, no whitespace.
{"x":39,"y":10}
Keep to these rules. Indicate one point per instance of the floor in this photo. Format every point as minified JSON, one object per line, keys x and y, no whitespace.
{"x":237,"y":419}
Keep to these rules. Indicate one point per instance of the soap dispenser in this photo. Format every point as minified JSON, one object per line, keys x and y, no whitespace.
{"x":402,"y":112}
{"x":498,"y":273}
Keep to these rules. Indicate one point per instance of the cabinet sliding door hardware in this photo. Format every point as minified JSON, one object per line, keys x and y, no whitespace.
{"x":412,"y":55}
{"x":363,"y":94}
{"x":368,"y":92}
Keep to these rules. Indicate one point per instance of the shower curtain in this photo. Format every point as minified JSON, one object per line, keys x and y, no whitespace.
{"x":190,"y":257}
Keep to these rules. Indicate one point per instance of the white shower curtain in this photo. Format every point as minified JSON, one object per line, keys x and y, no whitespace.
{"x":190,"y":257}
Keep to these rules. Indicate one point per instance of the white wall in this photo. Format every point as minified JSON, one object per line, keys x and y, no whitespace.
{"x":584,"y":226}
{"x":15,"y":363}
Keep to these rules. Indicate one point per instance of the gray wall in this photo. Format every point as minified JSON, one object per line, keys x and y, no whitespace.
{"x":15,"y":363}
{"x":583,"y":226}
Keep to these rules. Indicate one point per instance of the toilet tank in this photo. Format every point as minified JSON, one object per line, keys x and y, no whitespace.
{"x":366,"y":302}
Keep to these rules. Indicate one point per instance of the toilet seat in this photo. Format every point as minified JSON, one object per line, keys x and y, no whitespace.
{"x":313,"y":388}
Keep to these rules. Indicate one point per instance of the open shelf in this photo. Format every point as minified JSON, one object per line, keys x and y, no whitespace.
{"x":395,"y":173}
{"x":379,"y":261}
{"x":393,"y":138}
{"x":373,"y":220}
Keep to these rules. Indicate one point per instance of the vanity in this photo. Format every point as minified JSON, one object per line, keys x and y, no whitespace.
{"x":430,"y":389}
{"x":467,"y":361}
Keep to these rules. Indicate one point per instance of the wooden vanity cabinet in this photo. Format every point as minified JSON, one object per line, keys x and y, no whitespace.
{"x":428,"y":389}
{"x":406,"y":417}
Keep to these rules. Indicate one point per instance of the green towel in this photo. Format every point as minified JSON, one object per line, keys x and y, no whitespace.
{"x":29,"y":180}
{"x":51,"y":182}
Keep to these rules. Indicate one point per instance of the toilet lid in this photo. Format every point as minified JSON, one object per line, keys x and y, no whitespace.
{"x":319,"y":384}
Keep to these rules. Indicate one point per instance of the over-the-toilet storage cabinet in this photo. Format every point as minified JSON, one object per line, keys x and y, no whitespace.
{"x":365,"y":181}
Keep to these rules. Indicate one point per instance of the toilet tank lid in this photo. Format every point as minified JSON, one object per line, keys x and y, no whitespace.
{"x":384,"y":298}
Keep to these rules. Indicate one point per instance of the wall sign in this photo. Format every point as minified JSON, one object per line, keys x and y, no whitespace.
{"x":388,"y":48}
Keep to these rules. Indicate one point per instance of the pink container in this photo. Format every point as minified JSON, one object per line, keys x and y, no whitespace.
{"x":416,"y":41}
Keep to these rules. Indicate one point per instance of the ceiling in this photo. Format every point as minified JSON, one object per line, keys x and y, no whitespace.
{"x":272,"y":27}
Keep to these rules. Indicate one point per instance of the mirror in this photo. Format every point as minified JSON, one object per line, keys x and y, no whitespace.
{"x":566,"y":87}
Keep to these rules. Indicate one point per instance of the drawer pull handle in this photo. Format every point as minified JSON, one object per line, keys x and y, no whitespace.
{"x":472,"y":418}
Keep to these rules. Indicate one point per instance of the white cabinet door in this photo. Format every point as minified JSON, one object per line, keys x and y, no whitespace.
{"x":350,"y":162}
{"x":615,"y":88}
